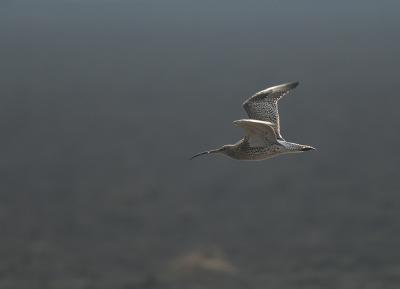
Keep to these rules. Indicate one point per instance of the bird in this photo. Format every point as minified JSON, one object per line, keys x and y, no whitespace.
{"x":263,"y":139}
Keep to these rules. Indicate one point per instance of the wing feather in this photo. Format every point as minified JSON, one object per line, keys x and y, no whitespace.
{"x":258,"y":133}
{"x":264,"y":104}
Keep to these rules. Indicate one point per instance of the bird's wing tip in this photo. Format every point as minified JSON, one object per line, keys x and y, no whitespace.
{"x":285,"y":86}
{"x":238,"y":122}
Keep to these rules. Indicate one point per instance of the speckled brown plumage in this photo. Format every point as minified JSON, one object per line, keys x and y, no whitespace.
{"x":264,"y":104}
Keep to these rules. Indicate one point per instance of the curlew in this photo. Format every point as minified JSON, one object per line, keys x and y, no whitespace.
{"x":263,"y":138}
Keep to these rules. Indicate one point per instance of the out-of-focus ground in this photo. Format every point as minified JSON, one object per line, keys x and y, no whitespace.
{"x":102,"y":103}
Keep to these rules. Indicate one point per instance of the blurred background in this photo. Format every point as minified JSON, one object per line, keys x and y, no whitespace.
{"x":103,"y":102}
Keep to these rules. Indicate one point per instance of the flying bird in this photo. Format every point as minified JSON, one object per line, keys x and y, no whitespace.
{"x":263,"y":138}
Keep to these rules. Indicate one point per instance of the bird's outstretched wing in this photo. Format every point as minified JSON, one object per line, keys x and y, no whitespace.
{"x":264,"y":104}
{"x":258,"y":133}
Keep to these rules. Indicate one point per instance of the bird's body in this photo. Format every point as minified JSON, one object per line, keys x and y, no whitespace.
{"x":263,"y":139}
{"x":242,"y":150}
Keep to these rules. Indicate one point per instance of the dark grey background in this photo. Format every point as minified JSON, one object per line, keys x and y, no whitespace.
{"x":102,"y":102}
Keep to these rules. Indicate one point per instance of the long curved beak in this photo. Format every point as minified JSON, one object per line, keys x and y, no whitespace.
{"x":205,"y":153}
